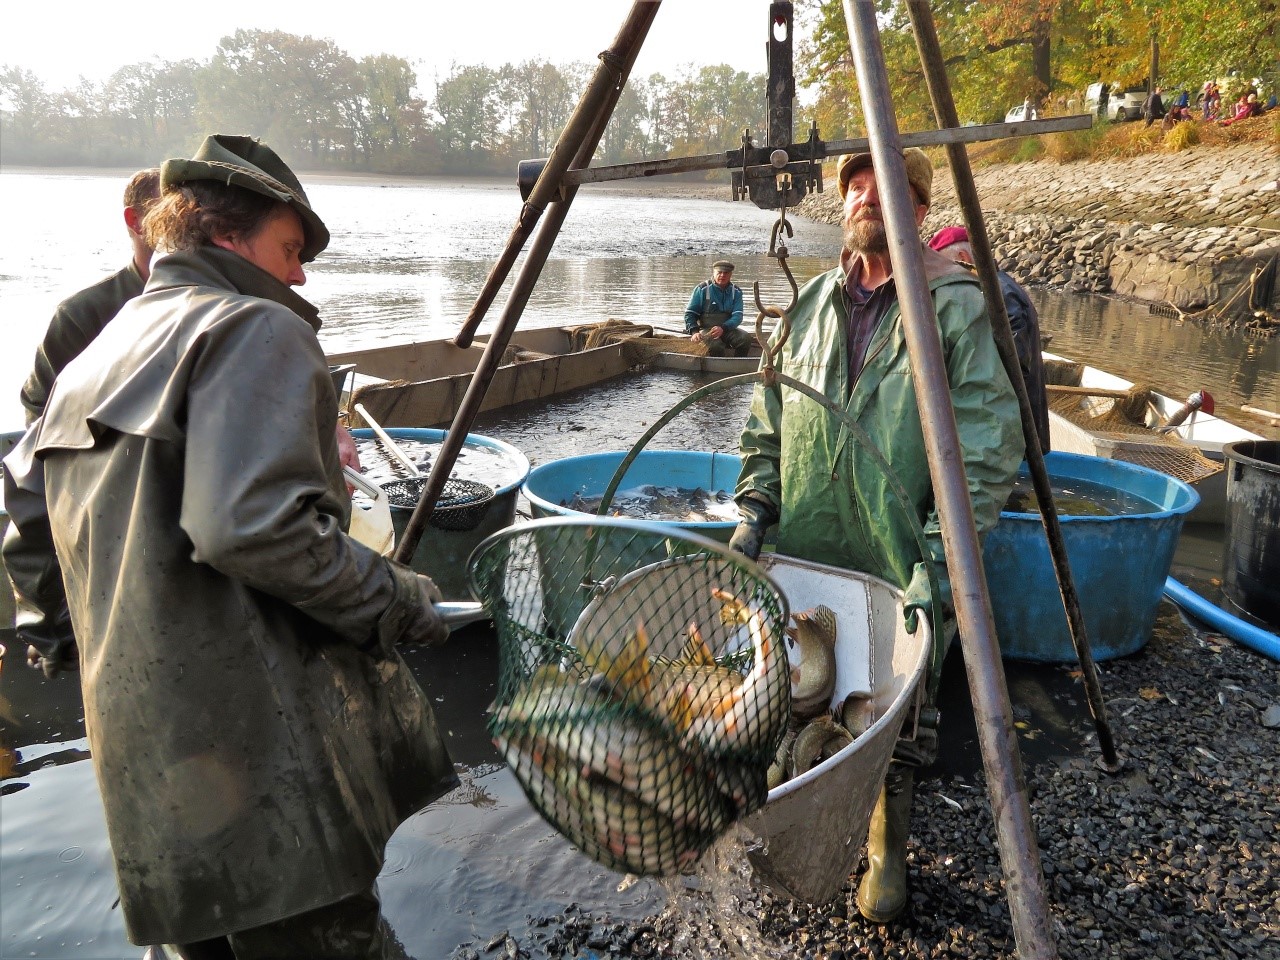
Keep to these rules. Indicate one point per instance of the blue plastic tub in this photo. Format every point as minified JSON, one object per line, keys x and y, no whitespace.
{"x":560,"y":480}
{"x":588,"y":476}
{"x":442,"y":554}
{"x":1119,"y":564}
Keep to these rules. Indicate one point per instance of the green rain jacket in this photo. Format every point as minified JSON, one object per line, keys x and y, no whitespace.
{"x":254,"y":750}
{"x":836,"y":506}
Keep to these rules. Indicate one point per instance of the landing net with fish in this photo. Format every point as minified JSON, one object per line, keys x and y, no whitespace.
{"x":462,"y":504}
{"x":644,"y":685}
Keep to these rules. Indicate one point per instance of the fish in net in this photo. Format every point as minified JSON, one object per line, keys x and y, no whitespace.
{"x":644,"y":683}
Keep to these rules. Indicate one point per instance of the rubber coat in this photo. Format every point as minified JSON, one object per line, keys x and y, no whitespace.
{"x":835,"y":506}
{"x":76,"y":322}
{"x":253,"y":761}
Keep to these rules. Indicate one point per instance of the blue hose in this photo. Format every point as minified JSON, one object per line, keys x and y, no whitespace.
{"x":1255,"y":638}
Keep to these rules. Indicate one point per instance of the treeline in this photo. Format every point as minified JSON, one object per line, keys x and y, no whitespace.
{"x":324,"y":109}
{"x":1001,"y":52}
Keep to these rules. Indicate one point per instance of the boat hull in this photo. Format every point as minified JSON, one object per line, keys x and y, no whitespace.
{"x":422,"y":383}
{"x":812,"y":828}
{"x":1205,"y":432}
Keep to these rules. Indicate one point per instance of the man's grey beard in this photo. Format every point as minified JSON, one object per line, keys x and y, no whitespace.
{"x":866,"y":236}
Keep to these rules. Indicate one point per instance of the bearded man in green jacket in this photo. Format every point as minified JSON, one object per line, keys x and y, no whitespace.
{"x":832,"y":503}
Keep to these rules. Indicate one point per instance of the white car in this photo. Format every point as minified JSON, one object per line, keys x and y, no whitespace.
{"x":1023,"y":111}
{"x":1121,"y":104}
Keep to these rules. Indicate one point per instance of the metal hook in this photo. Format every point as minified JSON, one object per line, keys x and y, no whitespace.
{"x":795,"y":289}
{"x":782,"y":224}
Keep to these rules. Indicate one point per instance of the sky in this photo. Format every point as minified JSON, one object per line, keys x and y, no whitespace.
{"x":62,"y":41}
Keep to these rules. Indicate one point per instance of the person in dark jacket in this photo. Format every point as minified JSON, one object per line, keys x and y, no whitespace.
{"x":81,"y":317}
{"x":954,"y":242}
{"x":178,"y":523}
{"x":1153,"y":107}
{"x":714,"y":313}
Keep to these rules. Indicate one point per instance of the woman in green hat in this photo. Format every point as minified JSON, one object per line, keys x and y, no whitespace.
{"x":255,"y":735}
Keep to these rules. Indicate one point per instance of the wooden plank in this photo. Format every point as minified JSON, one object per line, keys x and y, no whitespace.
{"x":1088,"y":391}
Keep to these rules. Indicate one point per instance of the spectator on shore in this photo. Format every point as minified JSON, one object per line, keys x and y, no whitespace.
{"x":1153,"y":107}
{"x":1175,"y":115}
{"x":1247,"y":106}
{"x":1212,"y":100}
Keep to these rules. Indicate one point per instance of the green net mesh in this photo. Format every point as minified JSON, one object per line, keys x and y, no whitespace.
{"x":644,"y":685}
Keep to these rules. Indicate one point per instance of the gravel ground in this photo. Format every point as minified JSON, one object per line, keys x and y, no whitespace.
{"x":1177,"y":856}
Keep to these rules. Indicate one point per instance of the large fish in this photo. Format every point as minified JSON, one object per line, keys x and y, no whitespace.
{"x":604,"y":821}
{"x":813,"y":669}
{"x":584,"y":725}
{"x":752,"y":717}
{"x":642,"y":761}
{"x":708,"y":704}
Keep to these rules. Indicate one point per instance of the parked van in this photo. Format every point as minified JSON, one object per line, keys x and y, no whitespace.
{"x":1121,"y":105}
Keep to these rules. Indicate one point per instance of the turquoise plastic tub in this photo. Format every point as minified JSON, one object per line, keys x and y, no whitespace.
{"x":560,"y":480}
{"x":442,"y":554}
{"x":589,"y":475}
{"x":1119,"y":565}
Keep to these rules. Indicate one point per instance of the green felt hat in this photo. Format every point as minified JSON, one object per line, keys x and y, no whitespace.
{"x":249,"y":163}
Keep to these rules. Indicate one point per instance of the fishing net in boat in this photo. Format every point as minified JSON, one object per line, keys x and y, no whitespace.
{"x":639,"y":340}
{"x":644,"y":685}
{"x":1121,"y":423}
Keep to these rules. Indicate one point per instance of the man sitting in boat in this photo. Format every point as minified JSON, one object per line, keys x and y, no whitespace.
{"x":714,"y":313}
{"x":954,"y":242}
{"x":832,"y":504}
{"x":81,"y":317}
{"x":177,"y":533}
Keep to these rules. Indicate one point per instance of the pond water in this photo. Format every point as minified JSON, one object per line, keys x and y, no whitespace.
{"x":406,"y":261}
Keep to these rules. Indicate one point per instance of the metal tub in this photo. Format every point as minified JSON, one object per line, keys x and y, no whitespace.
{"x":812,"y":828}
{"x":442,"y":554}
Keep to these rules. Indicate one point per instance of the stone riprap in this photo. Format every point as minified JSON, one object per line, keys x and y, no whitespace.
{"x":1186,"y":229}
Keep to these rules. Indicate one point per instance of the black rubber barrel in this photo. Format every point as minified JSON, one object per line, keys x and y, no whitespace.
{"x":1251,"y":553}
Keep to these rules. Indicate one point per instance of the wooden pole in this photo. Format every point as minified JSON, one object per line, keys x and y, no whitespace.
{"x":598,"y":104}
{"x":967,"y":193}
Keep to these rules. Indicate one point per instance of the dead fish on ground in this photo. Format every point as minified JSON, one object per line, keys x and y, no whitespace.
{"x":812,"y":653}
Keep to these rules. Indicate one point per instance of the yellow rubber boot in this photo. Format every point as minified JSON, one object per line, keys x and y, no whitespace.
{"x":883,"y":891}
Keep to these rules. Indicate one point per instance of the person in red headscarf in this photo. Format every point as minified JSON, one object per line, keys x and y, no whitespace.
{"x":954,"y":242}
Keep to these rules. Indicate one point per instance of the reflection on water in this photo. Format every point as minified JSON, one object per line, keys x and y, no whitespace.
{"x":1176,"y":357}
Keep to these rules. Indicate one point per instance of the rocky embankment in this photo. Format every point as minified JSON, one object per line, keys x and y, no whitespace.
{"x":1189,"y":230}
